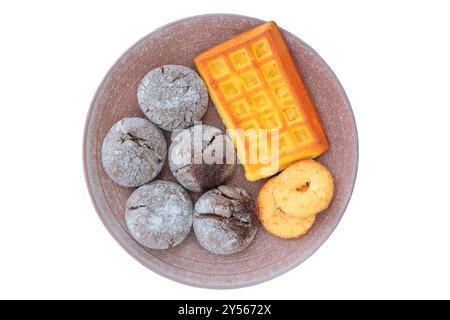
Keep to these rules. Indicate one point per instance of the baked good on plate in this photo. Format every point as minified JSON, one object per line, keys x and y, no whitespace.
{"x":304,"y":188}
{"x":201,"y":157}
{"x":274,"y":220}
{"x":172,"y":97}
{"x":159,"y":214}
{"x":133,"y":152}
{"x":255,"y":85}
{"x":225,"y":220}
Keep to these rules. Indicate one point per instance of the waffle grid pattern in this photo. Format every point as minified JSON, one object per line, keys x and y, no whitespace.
{"x":250,"y":83}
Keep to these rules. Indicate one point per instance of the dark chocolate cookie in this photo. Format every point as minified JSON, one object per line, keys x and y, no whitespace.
{"x":225,"y":220}
{"x":173,"y":97}
{"x":133,"y":152}
{"x":159,"y":214}
{"x":201,"y":157}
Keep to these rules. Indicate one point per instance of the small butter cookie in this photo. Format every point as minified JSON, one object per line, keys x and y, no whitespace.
{"x":274,"y":220}
{"x":305,"y":188}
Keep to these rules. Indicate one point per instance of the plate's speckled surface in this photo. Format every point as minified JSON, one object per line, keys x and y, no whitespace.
{"x":267,"y":257}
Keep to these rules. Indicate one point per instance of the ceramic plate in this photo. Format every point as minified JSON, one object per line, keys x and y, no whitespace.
{"x":267,"y":257}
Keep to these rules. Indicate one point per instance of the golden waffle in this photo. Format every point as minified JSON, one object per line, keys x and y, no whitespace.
{"x":254,"y":83}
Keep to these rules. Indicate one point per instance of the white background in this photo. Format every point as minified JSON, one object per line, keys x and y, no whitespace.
{"x":393,"y":59}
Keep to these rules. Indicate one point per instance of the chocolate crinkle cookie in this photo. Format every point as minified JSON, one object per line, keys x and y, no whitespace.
{"x":159,"y":214}
{"x":133,"y":152}
{"x":201,"y":157}
{"x":173,"y":97}
{"x":225,"y":220}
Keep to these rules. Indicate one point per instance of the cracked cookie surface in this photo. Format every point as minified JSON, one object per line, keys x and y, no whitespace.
{"x":159,"y":214}
{"x":225,"y":220}
{"x":133,"y":152}
{"x":172,"y":97}
{"x":201,"y":157}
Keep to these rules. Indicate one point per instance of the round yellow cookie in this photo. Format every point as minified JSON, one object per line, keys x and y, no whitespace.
{"x":274,"y":220}
{"x":305,"y":188}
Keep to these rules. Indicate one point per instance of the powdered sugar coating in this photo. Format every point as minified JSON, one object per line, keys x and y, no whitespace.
{"x":201,"y":157}
{"x":225,"y":220}
{"x":159,"y":214}
{"x":133,"y":152}
{"x":172,"y":97}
